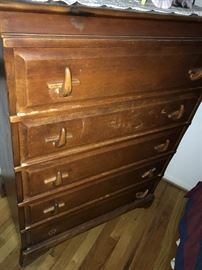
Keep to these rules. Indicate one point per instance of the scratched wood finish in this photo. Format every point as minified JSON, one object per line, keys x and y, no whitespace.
{"x":140,"y":239}
{"x":84,"y":129}
{"x":94,"y":105}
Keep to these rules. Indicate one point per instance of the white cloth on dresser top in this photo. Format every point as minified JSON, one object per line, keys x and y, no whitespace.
{"x":130,"y":4}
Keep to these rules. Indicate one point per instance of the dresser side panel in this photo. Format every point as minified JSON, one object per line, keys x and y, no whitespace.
{"x":6,"y":151}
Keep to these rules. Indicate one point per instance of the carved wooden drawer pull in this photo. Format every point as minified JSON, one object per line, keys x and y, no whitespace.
{"x":67,"y":86}
{"x":62,"y":138}
{"x":176,"y":115}
{"x":195,"y":74}
{"x":63,"y":88}
{"x":54,"y":209}
{"x":149,"y":173}
{"x":59,"y":141}
{"x":56,"y":181}
{"x":142,"y":195}
{"x":162,"y":147}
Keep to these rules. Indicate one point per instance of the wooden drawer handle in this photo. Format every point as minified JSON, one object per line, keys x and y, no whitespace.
{"x":195,"y":74}
{"x":162,"y":147}
{"x":54,"y":209}
{"x":149,"y":173}
{"x":176,"y":115}
{"x":142,"y":195}
{"x":56,"y":181}
{"x":63,"y":88}
{"x":60,"y":141}
{"x":67,"y":85}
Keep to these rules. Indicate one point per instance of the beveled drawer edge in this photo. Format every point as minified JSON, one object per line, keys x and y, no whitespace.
{"x":90,"y":203}
{"x":91,"y":147}
{"x":99,"y":177}
{"x":90,"y":104}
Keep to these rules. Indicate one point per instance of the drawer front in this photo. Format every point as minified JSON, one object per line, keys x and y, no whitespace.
{"x":70,"y":76}
{"x":102,"y":188}
{"x":96,"y":209}
{"x":56,"y":174}
{"x":46,"y":136}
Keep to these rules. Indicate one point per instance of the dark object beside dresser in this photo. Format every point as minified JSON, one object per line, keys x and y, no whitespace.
{"x":94,"y":103}
{"x":189,"y":251}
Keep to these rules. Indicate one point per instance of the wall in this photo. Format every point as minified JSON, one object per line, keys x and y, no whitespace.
{"x":185,"y":168}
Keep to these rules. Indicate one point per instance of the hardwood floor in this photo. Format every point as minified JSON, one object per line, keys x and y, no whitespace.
{"x":142,"y":239}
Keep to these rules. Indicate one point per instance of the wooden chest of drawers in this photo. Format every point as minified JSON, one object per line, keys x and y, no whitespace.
{"x":94,"y":103}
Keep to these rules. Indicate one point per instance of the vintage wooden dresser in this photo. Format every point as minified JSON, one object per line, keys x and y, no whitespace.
{"x":94,"y":103}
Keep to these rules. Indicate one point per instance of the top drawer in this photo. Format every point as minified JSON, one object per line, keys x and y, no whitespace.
{"x":47,"y":77}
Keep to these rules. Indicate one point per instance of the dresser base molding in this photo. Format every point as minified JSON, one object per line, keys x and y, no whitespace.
{"x":29,"y":255}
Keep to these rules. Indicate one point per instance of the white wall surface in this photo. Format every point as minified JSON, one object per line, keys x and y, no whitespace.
{"x":185,"y":168}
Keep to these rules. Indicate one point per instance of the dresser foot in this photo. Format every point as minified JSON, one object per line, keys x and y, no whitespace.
{"x":22,"y":260}
{"x":149,"y":203}
{"x":26,"y":257}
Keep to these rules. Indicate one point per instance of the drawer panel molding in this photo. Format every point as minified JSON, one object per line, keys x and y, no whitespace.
{"x":64,"y":75}
{"x":62,"y":172}
{"x":100,"y":189}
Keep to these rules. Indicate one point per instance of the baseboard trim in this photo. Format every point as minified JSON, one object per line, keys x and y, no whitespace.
{"x":175,"y":184}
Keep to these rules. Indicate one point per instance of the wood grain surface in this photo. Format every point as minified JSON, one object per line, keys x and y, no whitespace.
{"x":140,"y":239}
